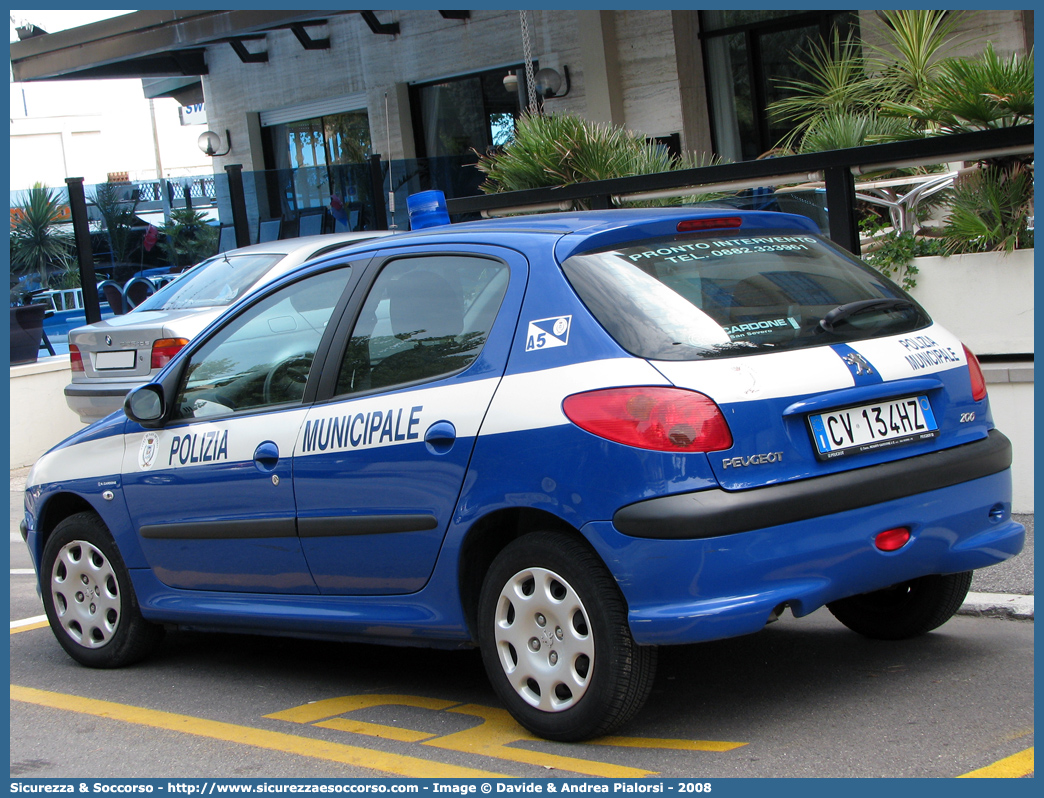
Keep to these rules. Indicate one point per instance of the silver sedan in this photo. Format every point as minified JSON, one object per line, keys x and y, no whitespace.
{"x":112,"y":356}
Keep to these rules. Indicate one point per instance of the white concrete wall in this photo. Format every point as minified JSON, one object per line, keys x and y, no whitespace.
{"x":1011,"y":400}
{"x":40,"y":418}
{"x":984,"y":298}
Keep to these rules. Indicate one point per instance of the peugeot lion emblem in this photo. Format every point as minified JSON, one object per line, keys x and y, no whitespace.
{"x":858,"y":364}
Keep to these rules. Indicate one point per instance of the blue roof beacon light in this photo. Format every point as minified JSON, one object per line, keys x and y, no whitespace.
{"x":427,"y":209}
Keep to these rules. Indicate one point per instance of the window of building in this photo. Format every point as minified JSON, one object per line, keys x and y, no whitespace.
{"x":745,"y":54}
{"x":456,"y":117}
{"x":317,"y":159}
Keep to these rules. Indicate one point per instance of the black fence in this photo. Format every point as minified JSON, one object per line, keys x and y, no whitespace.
{"x":243,"y":200}
{"x":836,"y":168}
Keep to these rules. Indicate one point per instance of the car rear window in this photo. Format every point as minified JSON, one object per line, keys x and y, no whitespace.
{"x":704,"y":296}
{"x":215,"y":282}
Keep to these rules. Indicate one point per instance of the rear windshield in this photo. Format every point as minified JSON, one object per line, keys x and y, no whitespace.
{"x":215,"y":282}
{"x":696,"y":297}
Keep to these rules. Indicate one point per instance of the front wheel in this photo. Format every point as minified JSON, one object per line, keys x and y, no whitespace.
{"x":555,"y":640}
{"x":905,"y":610}
{"x":88,"y":597}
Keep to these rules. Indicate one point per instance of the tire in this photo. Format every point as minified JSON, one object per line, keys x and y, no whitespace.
{"x":88,"y":596}
{"x":555,"y":641}
{"x":905,"y":610}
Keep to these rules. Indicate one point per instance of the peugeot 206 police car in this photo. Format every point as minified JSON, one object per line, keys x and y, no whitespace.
{"x":566,"y":440}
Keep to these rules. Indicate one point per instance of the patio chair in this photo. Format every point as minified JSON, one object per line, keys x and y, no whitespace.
{"x":136,"y":291}
{"x":26,"y":332}
{"x":269,"y":230}
{"x":226,"y":239}
{"x":310,"y":224}
{"x":114,"y":296}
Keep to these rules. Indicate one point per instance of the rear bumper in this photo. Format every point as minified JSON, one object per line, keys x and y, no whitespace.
{"x":711,"y":513}
{"x":92,"y":402}
{"x":691,"y":590}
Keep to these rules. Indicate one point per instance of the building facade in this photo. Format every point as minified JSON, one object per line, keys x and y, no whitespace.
{"x":304,"y":98}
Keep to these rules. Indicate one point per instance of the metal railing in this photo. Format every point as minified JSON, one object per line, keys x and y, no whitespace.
{"x":837,"y":169}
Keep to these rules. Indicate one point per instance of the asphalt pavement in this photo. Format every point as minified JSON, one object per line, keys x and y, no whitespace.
{"x":1004,"y":590}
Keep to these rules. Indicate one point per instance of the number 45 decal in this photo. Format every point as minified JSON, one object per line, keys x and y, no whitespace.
{"x":546,"y":333}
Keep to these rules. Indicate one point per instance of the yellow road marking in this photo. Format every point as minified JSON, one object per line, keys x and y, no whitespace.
{"x":1013,"y":767}
{"x":499,"y":730}
{"x":28,"y":627}
{"x":397,"y":764}
{"x":673,"y":745}
{"x":493,"y":737}
{"x":328,"y":708}
{"x":375,"y":730}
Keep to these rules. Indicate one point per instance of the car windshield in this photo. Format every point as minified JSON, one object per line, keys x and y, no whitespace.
{"x":213,"y":283}
{"x":712,"y":295}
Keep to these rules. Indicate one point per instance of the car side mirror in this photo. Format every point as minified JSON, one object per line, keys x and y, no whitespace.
{"x":145,"y":405}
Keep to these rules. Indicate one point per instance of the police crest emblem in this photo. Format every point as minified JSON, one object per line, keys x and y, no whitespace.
{"x":147,"y":453}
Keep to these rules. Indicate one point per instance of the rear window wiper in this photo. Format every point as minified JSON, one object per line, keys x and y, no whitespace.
{"x":843,"y":312}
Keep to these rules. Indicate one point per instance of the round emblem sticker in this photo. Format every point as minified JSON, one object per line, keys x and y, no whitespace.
{"x":147,"y":453}
{"x":560,"y":327}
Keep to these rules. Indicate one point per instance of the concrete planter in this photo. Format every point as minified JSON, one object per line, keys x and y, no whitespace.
{"x":986,"y":299}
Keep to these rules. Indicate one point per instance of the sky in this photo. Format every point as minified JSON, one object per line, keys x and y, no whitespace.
{"x":54,"y":21}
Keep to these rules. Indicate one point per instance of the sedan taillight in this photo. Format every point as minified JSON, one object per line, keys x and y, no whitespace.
{"x":75,"y":358}
{"x":659,"y":418}
{"x":164,"y":349}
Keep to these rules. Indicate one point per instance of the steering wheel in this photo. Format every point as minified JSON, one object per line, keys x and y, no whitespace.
{"x":285,"y":377}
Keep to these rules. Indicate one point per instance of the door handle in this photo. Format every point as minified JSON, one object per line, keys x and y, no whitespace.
{"x":266,"y":456}
{"x":440,"y":437}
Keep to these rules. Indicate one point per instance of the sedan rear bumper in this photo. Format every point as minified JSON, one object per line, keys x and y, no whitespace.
{"x":92,"y":402}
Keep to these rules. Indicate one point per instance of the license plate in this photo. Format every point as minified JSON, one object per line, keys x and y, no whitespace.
{"x":870,"y":427}
{"x":120,"y":359}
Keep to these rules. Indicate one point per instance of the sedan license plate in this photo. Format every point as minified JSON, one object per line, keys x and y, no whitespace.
{"x":120,"y":359}
{"x":874,"y":426}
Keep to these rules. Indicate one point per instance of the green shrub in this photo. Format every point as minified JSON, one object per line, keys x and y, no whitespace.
{"x":564,"y":149}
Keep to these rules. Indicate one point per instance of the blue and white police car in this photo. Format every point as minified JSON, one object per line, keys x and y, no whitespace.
{"x":566,"y":440}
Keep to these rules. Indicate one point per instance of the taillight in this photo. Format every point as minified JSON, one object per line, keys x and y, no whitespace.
{"x":978,"y":381}
{"x":724,"y":223}
{"x":664,"y":419}
{"x":75,"y":358}
{"x":164,"y":349}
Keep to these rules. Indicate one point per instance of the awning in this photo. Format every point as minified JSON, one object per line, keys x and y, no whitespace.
{"x":148,"y":44}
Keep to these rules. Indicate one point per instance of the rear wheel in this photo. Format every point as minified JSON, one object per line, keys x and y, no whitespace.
{"x":88,"y":597}
{"x":555,"y":640}
{"x":905,"y":610}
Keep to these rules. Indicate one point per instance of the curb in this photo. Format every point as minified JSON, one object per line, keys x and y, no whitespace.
{"x":998,"y":605}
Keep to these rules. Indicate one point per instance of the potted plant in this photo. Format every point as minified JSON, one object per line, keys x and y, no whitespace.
{"x":981,"y":233}
{"x":41,"y":246}
{"x":563,"y":149}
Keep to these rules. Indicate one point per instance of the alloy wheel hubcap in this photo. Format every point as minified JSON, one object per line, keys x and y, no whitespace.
{"x":544,"y":639}
{"x":86,"y":594}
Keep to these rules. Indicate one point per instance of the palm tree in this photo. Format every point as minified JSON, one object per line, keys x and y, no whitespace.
{"x":38,"y":244}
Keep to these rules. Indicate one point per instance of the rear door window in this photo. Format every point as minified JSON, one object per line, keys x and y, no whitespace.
{"x":705,"y":296}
